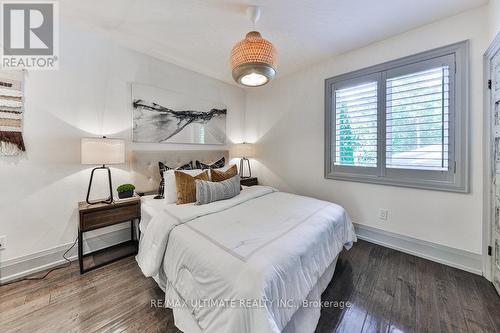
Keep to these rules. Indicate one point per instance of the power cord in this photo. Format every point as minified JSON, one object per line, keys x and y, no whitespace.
{"x":37,"y":278}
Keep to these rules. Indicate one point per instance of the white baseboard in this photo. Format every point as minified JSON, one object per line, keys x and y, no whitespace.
{"x":457,"y":258}
{"x":22,"y":266}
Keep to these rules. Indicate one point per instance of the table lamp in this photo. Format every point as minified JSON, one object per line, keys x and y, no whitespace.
{"x":244,"y":151}
{"x":102,"y":151}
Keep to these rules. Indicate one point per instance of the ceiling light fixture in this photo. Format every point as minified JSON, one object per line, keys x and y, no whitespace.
{"x":253,"y":59}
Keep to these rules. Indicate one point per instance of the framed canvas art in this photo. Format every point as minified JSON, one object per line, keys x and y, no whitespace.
{"x":165,"y":116}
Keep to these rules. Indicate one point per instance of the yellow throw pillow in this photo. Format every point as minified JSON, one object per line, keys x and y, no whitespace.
{"x":218,"y":176}
{"x":186,"y":187}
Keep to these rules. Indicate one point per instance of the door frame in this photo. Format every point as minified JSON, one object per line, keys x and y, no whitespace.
{"x":488,"y":197}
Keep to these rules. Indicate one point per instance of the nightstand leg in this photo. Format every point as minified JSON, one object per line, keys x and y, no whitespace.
{"x":80,"y":250}
{"x":132,"y":226}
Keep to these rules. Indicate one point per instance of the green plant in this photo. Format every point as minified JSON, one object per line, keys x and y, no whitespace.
{"x":125,"y":188}
{"x":347,"y":145}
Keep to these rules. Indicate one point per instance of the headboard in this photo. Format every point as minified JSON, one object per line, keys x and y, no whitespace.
{"x":145,"y":164}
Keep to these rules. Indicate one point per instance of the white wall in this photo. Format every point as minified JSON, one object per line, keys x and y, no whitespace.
{"x":286,"y":119}
{"x":88,"y":96}
{"x":494,"y":19}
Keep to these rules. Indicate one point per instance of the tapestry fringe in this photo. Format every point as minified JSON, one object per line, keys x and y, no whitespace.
{"x":15,"y":138}
{"x":9,"y":149}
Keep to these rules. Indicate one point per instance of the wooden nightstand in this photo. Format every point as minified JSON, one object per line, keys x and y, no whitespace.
{"x":249,"y":181}
{"x":103,"y":215}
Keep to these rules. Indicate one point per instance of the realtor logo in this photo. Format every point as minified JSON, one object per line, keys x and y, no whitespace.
{"x":29,"y":35}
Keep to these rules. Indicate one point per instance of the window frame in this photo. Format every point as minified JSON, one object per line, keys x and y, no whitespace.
{"x":456,"y":178}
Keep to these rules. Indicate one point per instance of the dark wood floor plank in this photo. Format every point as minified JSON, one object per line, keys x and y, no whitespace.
{"x":403,"y":317}
{"x":451,"y":314}
{"x":341,"y":288}
{"x":490,"y":299}
{"x":427,"y":309}
{"x":354,"y":316}
{"x":388,"y":290}
{"x":474,"y":309}
{"x":380,"y":304}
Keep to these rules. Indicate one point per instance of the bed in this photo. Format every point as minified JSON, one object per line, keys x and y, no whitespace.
{"x":257,"y":262}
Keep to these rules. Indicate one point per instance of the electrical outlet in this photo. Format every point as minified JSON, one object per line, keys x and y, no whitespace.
{"x":383,"y":214}
{"x":3,"y":240}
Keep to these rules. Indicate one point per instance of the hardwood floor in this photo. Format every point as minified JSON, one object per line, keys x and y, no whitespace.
{"x":389,"y":291}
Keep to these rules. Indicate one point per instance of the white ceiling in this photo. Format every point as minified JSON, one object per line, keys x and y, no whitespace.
{"x":199,"y":34}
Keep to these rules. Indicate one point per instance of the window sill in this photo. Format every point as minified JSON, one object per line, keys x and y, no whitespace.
{"x":408,"y":183}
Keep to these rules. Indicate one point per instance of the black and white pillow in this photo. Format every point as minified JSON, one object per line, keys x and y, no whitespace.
{"x":215,"y":165}
{"x":163,"y":167}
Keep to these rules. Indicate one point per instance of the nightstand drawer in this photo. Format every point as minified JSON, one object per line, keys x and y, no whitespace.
{"x":101,"y":218}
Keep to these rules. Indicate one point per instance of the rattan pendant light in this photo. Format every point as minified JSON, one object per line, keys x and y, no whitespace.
{"x":253,"y":59}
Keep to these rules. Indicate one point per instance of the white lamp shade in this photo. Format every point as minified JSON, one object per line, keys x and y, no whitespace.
{"x":243,"y":150}
{"x":103,"y":151}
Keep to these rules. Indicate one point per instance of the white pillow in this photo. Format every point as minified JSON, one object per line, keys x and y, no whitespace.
{"x":170,"y":187}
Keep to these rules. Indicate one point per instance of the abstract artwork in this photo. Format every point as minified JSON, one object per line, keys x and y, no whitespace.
{"x":11,"y":113}
{"x":164,"y":116}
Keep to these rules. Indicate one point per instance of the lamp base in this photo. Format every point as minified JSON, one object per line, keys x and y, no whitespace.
{"x":109,"y":200}
{"x":243,"y":159}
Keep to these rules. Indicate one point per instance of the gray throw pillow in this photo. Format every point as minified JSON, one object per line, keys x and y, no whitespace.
{"x":207,"y":192}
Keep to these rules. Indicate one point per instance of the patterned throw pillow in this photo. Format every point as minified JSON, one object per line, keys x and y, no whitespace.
{"x":163,"y":167}
{"x":218,"y":175}
{"x":215,"y":165}
{"x":186,"y":187}
{"x":207,"y":192}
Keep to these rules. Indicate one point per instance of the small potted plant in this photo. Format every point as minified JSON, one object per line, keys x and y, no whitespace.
{"x":125,"y":191}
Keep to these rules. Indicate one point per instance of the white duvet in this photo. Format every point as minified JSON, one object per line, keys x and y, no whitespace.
{"x":245,"y":264}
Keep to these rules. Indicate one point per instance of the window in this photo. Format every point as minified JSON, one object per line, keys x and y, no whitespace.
{"x":401,"y":123}
{"x":356,"y":125}
{"x":417,"y":123}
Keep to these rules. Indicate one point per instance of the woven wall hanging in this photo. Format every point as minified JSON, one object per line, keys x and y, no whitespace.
{"x":11,"y":114}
